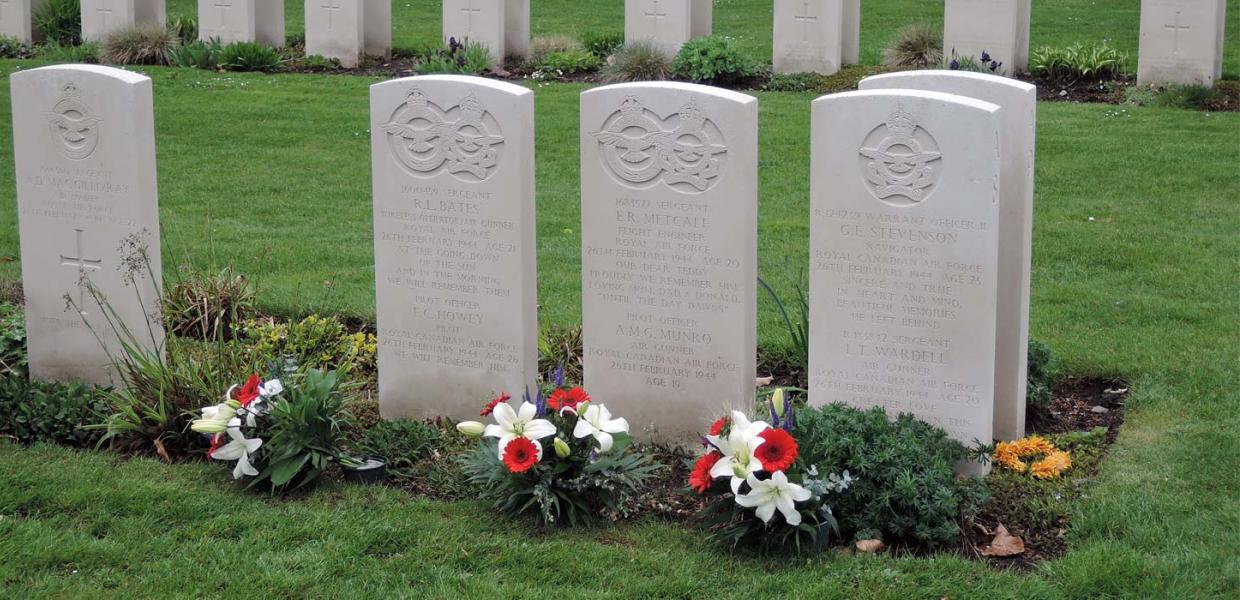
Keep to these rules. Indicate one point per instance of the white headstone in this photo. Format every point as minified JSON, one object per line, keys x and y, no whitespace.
{"x":150,"y":11}
{"x":1181,"y":41}
{"x":84,"y":151}
{"x":1017,"y":102}
{"x":377,"y":28}
{"x":15,"y":20}
{"x":702,"y":19}
{"x":334,"y":29}
{"x":231,"y":21}
{"x":904,"y":190}
{"x":666,"y":23}
{"x":852,"y":32}
{"x":453,"y":174}
{"x":479,"y":21}
{"x":808,"y":36}
{"x":999,"y":28}
{"x":101,"y":17}
{"x":517,"y":28}
{"x":669,"y":197}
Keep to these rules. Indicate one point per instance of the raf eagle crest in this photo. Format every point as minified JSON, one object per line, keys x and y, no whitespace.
{"x":425,"y":139}
{"x":685,"y":151}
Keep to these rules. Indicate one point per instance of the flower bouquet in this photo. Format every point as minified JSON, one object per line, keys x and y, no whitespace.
{"x":284,"y":437}
{"x":559,"y":457}
{"x":760,"y":490}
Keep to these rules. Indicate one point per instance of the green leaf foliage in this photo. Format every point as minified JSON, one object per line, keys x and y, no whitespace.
{"x":304,"y":435}
{"x":37,"y":411}
{"x":713,"y":59}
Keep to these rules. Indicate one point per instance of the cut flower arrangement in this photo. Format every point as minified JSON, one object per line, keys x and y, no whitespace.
{"x":559,"y":457}
{"x":1051,"y":463}
{"x":761,"y":491}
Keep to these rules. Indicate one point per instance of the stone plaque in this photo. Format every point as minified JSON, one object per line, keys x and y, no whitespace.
{"x":517,"y":28}
{"x":1181,"y":42}
{"x":1017,"y":103}
{"x":808,"y":36}
{"x":88,"y":211}
{"x":334,"y":29}
{"x":453,"y":168}
{"x":669,"y":253}
{"x":999,"y":28}
{"x":903,"y":255}
{"x":666,"y":23}
{"x":15,"y":19}
{"x":480,"y":21}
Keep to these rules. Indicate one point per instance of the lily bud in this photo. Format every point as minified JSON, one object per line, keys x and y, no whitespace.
{"x":561,"y":448}
{"x":470,"y":428}
{"x":777,"y":402}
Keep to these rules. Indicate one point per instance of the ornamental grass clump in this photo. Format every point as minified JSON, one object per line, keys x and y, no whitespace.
{"x":559,"y":458}
{"x":638,"y":61}
{"x":917,"y":45}
{"x":146,"y":44}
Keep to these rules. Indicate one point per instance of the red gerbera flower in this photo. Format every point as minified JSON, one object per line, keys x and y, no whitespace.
{"x":567,"y":398}
{"x":778,"y":451}
{"x":717,"y":427}
{"x":521,"y":454}
{"x":700,"y":479}
{"x":248,"y":392}
{"x":217,"y":440}
{"x":490,"y":407}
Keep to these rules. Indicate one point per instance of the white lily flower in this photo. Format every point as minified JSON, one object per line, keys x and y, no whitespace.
{"x":271,"y":388}
{"x":510,"y":425}
{"x":738,"y":450}
{"x":216,"y":418}
{"x":239,"y":449}
{"x":774,"y":493}
{"x":470,"y":428}
{"x":597,"y":422}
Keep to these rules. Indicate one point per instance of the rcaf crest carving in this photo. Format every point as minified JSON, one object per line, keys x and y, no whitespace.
{"x":464,"y":140}
{"x":900,"y":161}
{"x":74,"y":127}
{"x":686,"y":151}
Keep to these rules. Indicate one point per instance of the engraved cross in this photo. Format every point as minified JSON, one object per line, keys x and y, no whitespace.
{"x":654,"y":13}
{"x":330,"y":8}
{"x":83,"y":265}
{"x":469,"y":11}
{"x":804,"y":18}
{"x":105,"y":12}
{"x":1177,"y":28}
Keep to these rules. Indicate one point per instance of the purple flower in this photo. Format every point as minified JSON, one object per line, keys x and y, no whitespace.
{"x":557,"y":377}
{"x":994,"y":65}
{"x":954,"y":65}
{"x":985,"y":56}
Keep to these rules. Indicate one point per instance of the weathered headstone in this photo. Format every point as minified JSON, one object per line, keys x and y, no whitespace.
{"x":377,"y":28}
{"x":231,"y":21}
{"x":668,"y":24}
{"x":1017,"y":102}
{"x":517,"y":28}
{"x":999,"y":28}
{"x":479,"y":21}
{"x":702,"y":18}
{"x":88,"y":210}
{"x":1181,"y":41}
{"x":101,"y":17}
{"x":808,"y":36}
{"x":669,"y":252}
{"x":903,"y":255}
{"x":453,"y":174}
{"x":852,"y":32}
{"x":15,"y":19}
{"x":335,"y":29}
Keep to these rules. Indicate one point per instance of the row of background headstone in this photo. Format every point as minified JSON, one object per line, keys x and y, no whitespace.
{"x":1180,"y":41}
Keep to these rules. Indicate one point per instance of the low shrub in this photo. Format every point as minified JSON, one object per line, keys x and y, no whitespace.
{"x":60,"y":21}
{"x":146,"y":44}
{"x":1039,"y":379}
{"x":714,"y":59}
{"x":794,"y":82}
{"x":638,"y":61}
{"x":208,"y":306}
{"x":917,"y":45}
{"x":36,"y":411}
{"x":87,"y":52}
{"x":470,"y":58}
{"x":13,"y":357}
{"x":14,"y":48}
{"x":1080,"y":62}
{"x":315,"y":342}
{"x":185,"y":28}
{"x":403,"y":442}
{"x":1195,"y":97}
{"x":553,"y":44}
{"x":249,"y":56}
{"x":318,"y":63}
{"x":196,"y":55}
{"x":903,"y":489}
{"x":602,"y":44}
{"x":568,"y":63}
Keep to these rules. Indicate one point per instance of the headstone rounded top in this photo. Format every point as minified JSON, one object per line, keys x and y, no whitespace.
{"x":112,"y":72}
{"x":678,"y":86}
{"x":885,"y":79}
{"x":499,"y":86}
{"x":906,"y":93}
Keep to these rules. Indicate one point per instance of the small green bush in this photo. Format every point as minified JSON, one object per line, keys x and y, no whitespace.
{"x":14,"y":48}
{"x":568,"y":63}
{"x":904,"y":490}
{"x":208,"y":306}
{"x":794,"y":82}
{"x":185,"y":28}
{"x":1195,"y":97}
{"x":196,"y":55}
{"x":917,"y":45}
{"x":146,"y":44}
{"x":714,"y":59}
{"x":602,"y":44}
{"x":35,"y":411}
{"x":470,"y":58}
{"x":60,"y":21}
{"x":1040,"y":379}
{"x":13,"y":357}
{"x":542,"y":46}
{"x":403,"y":442}
{"x":1080,"y":62}
{"x":87,"y":52}
{"x":249,"y":56}
{"x":318,"y":63}
{"x":314,"y":342}
{"x":638,"y":61}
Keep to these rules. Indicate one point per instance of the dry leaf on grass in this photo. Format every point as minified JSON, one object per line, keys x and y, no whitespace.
{"x":1004,"y":544}
{"x":870,"y":546}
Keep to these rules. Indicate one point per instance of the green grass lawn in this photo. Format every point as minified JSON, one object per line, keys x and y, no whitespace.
{"x":416,"y":23}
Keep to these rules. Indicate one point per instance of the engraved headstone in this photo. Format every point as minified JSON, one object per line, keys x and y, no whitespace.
{"x":668,"y":24}
{"x":669,"y":252}
{"x":1181,"y":42}
{"x":1017,"y":102}
{"x":903,"y":255}
{"x":88,"y":210}
{"x":231,"y":21}
{"x":852,"y":32}
{"x":335,"y":29}
{"x":517,"y":28}
{"x":479,"y":21}
{"x":101,"y":17}
{"x":453,"y":174}
{"x":377,"y":28}
{"x":999,"y":28}
{"x":808,"y":36}
{"x":15,"y":19}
